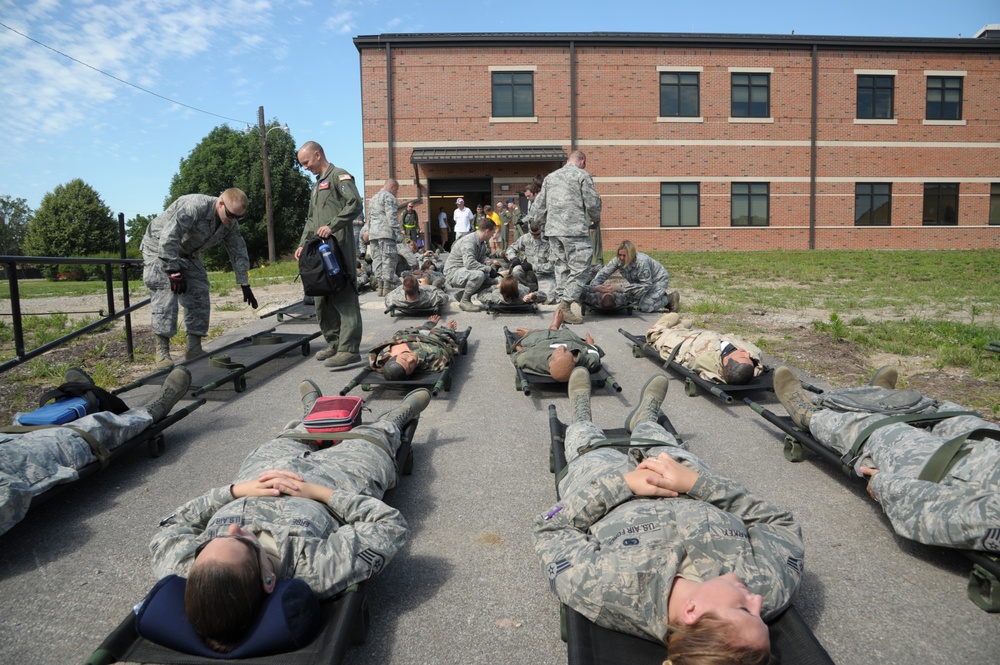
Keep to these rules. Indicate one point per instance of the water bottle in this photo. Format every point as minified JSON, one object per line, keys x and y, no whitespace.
{"x":329,"y":260}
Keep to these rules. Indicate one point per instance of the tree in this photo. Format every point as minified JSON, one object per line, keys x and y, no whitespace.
{"x":135,"y":228}
{"x":229,"y":158}
{"x":72,"y":220}
{"x":15,"y":216}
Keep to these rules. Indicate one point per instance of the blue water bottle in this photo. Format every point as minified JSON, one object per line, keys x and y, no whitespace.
{"x":329,"y":260}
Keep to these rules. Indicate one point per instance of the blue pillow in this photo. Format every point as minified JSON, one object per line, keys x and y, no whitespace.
{"x":289,"y":620}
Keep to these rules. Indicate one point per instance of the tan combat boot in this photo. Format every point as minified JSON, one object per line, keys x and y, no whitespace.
{"x":163,"y":359}
{"x":568,"y":315}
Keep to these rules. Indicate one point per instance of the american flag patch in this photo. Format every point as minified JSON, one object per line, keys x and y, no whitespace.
{"x":373,"y":559}
{"x":794,"y":563}
{"x":346,"y":176}
{"x":991,"y":541}
{"x":560,"y":566}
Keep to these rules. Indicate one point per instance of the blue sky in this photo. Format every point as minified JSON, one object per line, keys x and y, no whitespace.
{"x":62,"y":120}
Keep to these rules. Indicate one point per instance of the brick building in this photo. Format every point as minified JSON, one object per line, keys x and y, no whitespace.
{"x":698,"y":141}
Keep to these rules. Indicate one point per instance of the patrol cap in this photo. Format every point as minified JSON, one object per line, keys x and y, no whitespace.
{"x":510,"y":200}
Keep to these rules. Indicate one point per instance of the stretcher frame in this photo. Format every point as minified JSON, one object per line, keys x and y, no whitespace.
{"x":693,"y":382}
{"x":219,"y":367}
{"x":523,"y":381}
{"x":298,"y":311}
{"x":792,"y":641}
{"x":345,"y":619}
{"x":423,"y":312}
{"x":984,"y":579}
{"x":606,"y":311}
{"x":368,"y":378}
{"x":511,"y":308}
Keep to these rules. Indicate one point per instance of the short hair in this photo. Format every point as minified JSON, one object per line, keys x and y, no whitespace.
{"x":607,"y":300}
{"x":487,"y":208}
{"x":710,"y":641}
{"x":390,"y":182}
{"x":410,"y":286}
{"x":235,"y":195}
{"x":533,"y":227}
{"x":222,"y":601}
{"x":735,"y":373}
{"x":630,"y":251}
{"x":487,"y":224}
{"x":561,"y":367}
{"x":393,"y":371}
{"x":312,"y":146}
{"x":577,"y":157}
{"x":510,"y":289}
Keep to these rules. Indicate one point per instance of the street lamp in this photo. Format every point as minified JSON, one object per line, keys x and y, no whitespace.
{"x":271,"y":255}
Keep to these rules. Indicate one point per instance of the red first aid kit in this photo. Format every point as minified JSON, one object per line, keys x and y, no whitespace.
{"x":333,"y":414}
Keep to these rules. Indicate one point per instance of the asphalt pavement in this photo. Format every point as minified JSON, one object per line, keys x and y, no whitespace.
{"x":467,"y":588}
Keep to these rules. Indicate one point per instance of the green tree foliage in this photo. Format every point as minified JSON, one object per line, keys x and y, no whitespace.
{"x":15,"y":216}
{"x":72,"y":220}
{"x":229,"y":158}
{"x":135,"y":228}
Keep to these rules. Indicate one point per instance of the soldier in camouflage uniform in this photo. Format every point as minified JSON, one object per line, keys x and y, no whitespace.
{"x":382,"y":229}
{"x":465,"y":267}
{"x":962,"y":509}
{"x":333,"y":207}
{"x":35,"y":459}
{"x":173,"y":271}
{"x":647,"y":280}
{"x":423,"y":348}
{"x":413,"y":295}
{"x":715,"y":357}
{"x":555,"y":351}
{"x":294,"y":511}
{"x":529,"y":261}
{"x":644,"y":548}
{"x":509,"y":292}
{"x":564,"y":209}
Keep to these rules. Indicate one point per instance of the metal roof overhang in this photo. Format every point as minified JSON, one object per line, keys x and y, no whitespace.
{"x":480,"y":155}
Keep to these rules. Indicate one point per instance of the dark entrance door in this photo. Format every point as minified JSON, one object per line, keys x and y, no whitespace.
{"x":443,"y":192}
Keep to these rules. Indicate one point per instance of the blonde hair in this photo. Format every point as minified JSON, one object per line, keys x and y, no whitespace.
{"x":629,"y":251}
{"x":711,"y":641}
{"x":234,"y":196}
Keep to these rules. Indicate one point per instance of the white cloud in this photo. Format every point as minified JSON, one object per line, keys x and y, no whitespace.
{"x":341,"y":23}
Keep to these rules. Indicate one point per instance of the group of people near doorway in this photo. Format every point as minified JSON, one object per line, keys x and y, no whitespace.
{"x":714,"y":560}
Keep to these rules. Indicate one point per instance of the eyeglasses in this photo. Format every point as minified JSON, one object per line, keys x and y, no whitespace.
{"x":230,"y":216}
{"x":252,"y":544}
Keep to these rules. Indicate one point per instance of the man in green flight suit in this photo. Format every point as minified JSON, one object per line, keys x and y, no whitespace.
{"x":555,"y":351}
{"x":333,"y":207}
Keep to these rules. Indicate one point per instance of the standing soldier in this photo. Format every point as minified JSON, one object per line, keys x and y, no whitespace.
{"x":565,"y":208}
{"x":515,"y":218}
{"x":382,"y":227}
{"x":504,"y":226}
{"x":410,"y":222}
{"x":173,"y":271}
{"x":333,"y":207}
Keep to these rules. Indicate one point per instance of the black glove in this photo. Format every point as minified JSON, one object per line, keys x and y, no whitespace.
{"x":178,"y":284}
{"x":514,"y":262}
{"x":493,"y":272}
{"x":526,"y":266}
{"x":248,"y":295}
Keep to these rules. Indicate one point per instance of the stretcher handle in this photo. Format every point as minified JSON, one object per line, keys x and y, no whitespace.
{"x":114,"y":645}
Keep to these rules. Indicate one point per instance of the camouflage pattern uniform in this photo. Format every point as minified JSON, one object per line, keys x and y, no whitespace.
{"x":434,"y":346}
{"x":335,"y":202}
{"x":515,"y":222}
{"x":564,"y":208}
{"x":613,"y":557}
{"x":382,"y":229}
{"x":407,"y":260}
{"x":535,"y":252}
{"x":537,"y":347}
{"x":173,"y":242}
{"x":643,"y":272}
{"x":328,"y":545}
{"x":493,"y":297}
{"x":465,"y":268}
{"x":35,"y":461}
{"x":429,"y":297}
{"x":962,"y":510}
{"x":701,"y":350}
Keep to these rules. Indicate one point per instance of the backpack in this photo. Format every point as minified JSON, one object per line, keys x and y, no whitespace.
{"x":315,"y":280}
{"x":873,"y":399}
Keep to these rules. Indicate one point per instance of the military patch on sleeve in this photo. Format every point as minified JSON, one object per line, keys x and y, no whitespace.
{"x":324,"y":184}
{"x":346,"y":176}
{"x":991,"y":541}
{"x":560,"y":566}
{"x":794,"y":563}
{"x":373,"y":559}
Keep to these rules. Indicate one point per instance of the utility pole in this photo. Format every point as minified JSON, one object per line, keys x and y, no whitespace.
{"x":268,"y":211}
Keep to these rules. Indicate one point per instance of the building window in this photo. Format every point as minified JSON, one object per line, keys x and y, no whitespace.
{"x":995,"y":203}
{"x":944,"y":97}
{"x":751,"y":95}
{"x":872,"y":204}
{"x":875,"y":97}
{"x":513,"y":94}
{"x":750,"y":203}
{"x":679,"y":204}
{"x":940,"y":204}
{"x":679,"y":94}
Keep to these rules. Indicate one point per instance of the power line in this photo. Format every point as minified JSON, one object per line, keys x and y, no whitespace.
{"x":99,"y":71}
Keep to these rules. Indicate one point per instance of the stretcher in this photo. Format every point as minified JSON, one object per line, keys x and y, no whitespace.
{"x":693,"y":382}
{"x":303,"y":310}
{"x":344,"y":620}
{"x":984,"y":579}
{"x":621,"y":310}
{"x":792,"y":641}
{"x":368,"y":378}
{"x":523,"y":381}
{"x":232,"y":361}
{"x":511,"y":308}
{"x":423,"y":312}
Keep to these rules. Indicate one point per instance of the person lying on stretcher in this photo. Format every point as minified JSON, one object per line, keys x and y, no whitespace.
{"x":555,"y":351}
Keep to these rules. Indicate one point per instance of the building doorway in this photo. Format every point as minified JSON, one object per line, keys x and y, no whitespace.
{"x":441,"y":195}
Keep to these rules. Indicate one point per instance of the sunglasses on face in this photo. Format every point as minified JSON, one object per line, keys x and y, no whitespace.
{"x":231,"y":217}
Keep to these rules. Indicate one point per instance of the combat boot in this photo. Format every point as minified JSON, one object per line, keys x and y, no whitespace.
{"x":674,"y":301}
{"x":885,"y":377}
{"x":568,"y":316}
{"x":578,"y":389}
{"x":193,"y":349}
{"x":171,"y":392}
{"x":467,"y":305}
{"x":77,"y":375}
{"x":650,"y":400}
{"x":163,"y":359}
{"x":409,"y":409}
{"x":328,"y":352}
{"x":792,"y":396}
{"x":309,"y":392}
